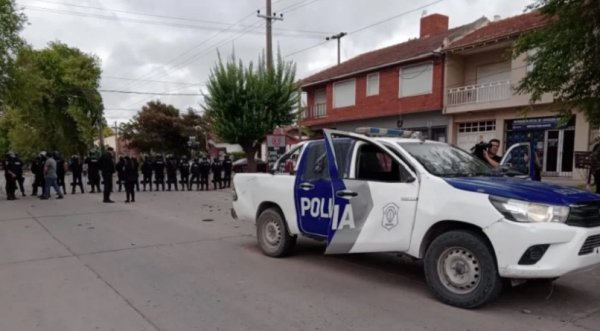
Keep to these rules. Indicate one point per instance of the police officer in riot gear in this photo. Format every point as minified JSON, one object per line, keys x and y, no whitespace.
{"x":37,"y":168}
{"x":147,"y":172}
{"x":184,"y":172}
{"x":227,"y":167}
{"x":107,"y":165}
{"x":204,"y":173}
{"x":217,"y":170}
{"x":171,"y":172}
{"x":19,"y":173}
{"x":61,"y":169}
{"x":120,"y":167}
{"x":10,"y":175}
{"x":93,"y":171}
{"x":159,"y":171}
{"x":195,"y":170}
{"x":76,"y":168}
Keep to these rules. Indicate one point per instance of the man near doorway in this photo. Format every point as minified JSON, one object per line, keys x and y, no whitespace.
{"x":491,"y":154}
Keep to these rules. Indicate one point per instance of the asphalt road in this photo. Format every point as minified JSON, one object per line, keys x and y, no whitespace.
{"x":178,"y":261}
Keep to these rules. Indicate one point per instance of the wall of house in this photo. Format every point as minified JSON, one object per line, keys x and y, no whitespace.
{"x":386,"y":103}
{"x":477,"y":58}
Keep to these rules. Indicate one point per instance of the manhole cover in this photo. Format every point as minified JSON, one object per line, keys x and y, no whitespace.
{"x":208,"y":220}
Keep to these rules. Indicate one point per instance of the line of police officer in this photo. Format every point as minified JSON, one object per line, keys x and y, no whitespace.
{"x":153,"y":171}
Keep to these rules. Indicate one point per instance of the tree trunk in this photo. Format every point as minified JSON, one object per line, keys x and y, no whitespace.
{"x":250,"y":153}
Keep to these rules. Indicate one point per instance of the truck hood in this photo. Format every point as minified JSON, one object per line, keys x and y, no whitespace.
{"x":525,"y":190}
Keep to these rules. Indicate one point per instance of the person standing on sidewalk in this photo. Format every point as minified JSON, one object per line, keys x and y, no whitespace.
{"x":130,"y":175}
{"x":107,"y":166}
{"x":50,"y":178}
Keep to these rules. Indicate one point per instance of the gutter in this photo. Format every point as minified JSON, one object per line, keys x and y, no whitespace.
{"x":419,"y":57}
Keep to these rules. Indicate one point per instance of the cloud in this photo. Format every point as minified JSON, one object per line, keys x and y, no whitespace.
{"x":162,"y":52}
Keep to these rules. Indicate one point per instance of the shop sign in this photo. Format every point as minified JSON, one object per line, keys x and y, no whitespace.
{"x":542,"y":123}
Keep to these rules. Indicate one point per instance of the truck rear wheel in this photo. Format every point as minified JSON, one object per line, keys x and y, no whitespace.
{"x":272,"y":234}
{"x":461,"y":270}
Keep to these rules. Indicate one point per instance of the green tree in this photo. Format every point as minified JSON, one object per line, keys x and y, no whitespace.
{"x":159,"y":127}
{"x":54,"y":103}
{"x":244,"y":104}
{"x":565,"y":61}
{"x":11,"y":23}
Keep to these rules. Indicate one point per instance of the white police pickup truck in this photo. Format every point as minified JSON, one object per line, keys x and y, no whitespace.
{"x":471,"y":226}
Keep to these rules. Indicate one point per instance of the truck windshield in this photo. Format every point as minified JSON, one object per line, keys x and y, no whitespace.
{"x":447,"y":161}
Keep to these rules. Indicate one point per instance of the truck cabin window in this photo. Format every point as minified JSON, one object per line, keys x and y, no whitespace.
{"x":374,"y":164}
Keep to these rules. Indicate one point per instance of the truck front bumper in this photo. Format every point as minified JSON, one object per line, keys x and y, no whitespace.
{"x":569,"y":248}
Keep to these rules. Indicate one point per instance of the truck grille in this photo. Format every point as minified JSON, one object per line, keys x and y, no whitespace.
{"x":585,"y":215}
{"x":589,"y":245}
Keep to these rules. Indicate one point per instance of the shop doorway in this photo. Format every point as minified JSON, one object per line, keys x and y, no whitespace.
{"x":559,"y":147}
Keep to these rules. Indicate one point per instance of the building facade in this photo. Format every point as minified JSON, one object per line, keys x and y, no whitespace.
{"x":398,"y":86}
{"x":480,"y":99}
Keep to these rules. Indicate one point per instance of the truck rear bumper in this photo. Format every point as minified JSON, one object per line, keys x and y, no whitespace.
{"x":569,"y":248}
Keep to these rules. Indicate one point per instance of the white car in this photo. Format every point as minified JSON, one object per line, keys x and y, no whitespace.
{"x":471,"y":226}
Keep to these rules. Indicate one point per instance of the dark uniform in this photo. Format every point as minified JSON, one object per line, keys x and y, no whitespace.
{"x":76,"y":168}
{"x":130,"y":175}
{"x":227,"y":167}
{"x":107,"y":166}
{"x":184,"y":172}
{"x":93,"y":172}
{"x":60,"y":172}
{"x":159,"y":172}
{"x":19,"y":173}
{"x":204,"y":173}
{"x":217,"y":169}
{"x":120,"y":167}
{"x":195,"y":170}
{"x":172,"y":173}
{"x":10,"y":176}
{"x":37,"y":168}
{"x":147,"y":172}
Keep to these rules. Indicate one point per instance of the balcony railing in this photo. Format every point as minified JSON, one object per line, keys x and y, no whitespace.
{"x":479,"y":93}
{"x":317,"y":111}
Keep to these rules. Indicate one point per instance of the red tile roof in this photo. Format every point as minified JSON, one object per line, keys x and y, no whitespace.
{"x":505,"y":28}
{"x":381,"y":57}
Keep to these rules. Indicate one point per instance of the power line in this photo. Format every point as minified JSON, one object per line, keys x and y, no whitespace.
{"x":151,"y":80}
{"x":150,"y":93}
{"x":370,"y":26}
{"x":280,"y":32}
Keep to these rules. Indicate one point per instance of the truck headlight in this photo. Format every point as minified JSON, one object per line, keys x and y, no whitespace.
{"x":528,"y":212}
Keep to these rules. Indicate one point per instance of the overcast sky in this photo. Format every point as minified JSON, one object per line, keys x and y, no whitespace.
{"x":170,"y":46}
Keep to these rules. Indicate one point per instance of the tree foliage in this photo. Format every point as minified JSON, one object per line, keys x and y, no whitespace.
{"x":161,"y":128}
{"x":566,"y":61}
{"x":11,"y":23}
{"x":54,"y":103}
{"x":244,"y":104}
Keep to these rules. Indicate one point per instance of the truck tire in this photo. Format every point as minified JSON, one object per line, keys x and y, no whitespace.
{"x":272,"y":234}
{"x":461,"y":270}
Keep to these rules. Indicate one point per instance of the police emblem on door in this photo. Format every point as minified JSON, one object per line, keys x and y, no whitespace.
{"x":390,"y":216}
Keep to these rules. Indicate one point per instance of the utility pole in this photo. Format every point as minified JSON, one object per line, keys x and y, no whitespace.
{"x":339,"y":37}
{"x":269,"y":18}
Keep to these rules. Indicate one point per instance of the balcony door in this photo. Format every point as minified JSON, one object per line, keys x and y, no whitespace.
{"x":495,"y":72}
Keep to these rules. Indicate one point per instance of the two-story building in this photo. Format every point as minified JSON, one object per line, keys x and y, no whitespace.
{"x":480,"y":77}
{"x":397,"y":86}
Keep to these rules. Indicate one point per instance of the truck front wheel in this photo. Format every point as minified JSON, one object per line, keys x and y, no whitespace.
{"x":272,"y":234}
{"x":461,"y":270}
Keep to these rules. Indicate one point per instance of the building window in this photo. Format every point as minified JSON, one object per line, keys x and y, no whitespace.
{"x":373,"y":84}
{"x":481,"y":126}
{"x":416,"y":80}
{"x":344,"y":93}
